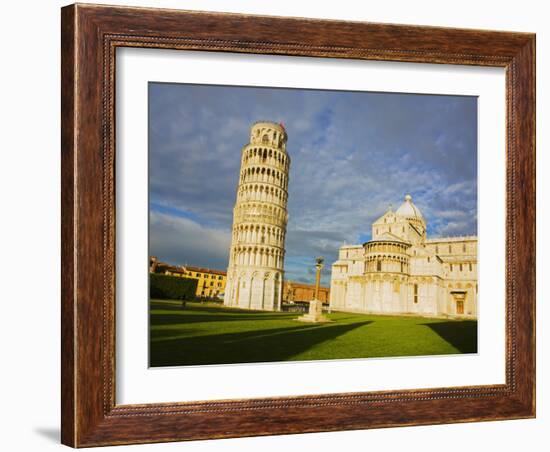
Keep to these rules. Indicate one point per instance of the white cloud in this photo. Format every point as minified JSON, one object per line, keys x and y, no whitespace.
{"x":351,"y":156}
{"x":183,"y":240}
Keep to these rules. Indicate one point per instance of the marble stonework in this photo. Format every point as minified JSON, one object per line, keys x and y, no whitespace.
{"x":314,"y":314}
{"x":255,"y":271}
{"x":402,"y":271}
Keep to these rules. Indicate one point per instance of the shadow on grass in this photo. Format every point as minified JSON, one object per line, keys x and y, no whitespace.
{"x":176,"y":306}
{"x":197,"y":314}
{"x":461,"y":334}
{"x":277,"y":344}
{"x":189,"y":317}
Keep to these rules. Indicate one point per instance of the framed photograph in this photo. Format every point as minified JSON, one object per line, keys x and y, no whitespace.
{"x":280,"y":225}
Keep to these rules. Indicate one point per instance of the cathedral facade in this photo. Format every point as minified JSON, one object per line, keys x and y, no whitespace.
{"x":256,"y":256}
{"x":402,"y":271}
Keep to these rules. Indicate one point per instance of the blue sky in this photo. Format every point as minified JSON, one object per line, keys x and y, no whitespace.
{"x":352,"y":154}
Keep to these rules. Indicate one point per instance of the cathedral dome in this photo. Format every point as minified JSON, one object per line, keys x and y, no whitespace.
{"x":409,"y":210}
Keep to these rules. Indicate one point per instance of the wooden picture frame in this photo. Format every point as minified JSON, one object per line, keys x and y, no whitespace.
{"x":90,"y":36}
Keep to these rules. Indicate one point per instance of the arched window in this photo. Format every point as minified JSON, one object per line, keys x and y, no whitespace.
{"x":378,"y":266}
{"x":265,"y":139}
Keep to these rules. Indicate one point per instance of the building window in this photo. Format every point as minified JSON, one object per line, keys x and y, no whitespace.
{"x":401,"y":267}
{"x":450,"y":251}
{"x":428,"y":260}
{"x":463,"y":247}
{"x":460,"y":267}
{"x":415,"y":293}
{"x":470,"y":266}
{"x":378,"y":266}
{"x":451,"y":266}
{"x":436,"y":249}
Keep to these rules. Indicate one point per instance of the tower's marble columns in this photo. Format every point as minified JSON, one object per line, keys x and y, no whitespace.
{"x":256,"y":259}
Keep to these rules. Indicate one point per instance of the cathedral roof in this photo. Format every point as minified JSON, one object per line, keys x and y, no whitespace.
{"x":409,"y":210}
{"x":386,"y":236}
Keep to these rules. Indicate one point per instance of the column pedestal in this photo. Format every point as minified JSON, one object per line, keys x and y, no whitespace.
{"x":315,"y":314}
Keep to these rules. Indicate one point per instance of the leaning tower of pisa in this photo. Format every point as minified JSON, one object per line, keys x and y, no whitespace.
{"x":256,"y":257}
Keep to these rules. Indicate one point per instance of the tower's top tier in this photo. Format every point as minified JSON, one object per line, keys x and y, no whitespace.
{"x":265,"y":133}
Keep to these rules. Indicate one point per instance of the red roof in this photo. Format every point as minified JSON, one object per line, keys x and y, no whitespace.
{"x":205,"y":270}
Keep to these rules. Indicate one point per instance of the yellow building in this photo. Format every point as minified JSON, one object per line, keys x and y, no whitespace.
{"x":210,"y":282}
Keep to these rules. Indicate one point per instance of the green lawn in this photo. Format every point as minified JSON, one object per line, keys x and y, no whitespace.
{"x":203,"y":334}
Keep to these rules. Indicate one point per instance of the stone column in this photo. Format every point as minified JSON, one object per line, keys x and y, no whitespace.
{"x":315,"y":314}
{"x":318,"y":266}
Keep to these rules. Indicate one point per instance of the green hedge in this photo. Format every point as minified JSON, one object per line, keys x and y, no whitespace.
{"x":171,"y":287}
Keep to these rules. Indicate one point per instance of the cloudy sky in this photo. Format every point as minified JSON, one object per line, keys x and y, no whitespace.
{"x":352,"y":154}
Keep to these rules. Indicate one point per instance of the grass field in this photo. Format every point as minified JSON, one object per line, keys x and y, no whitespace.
{"x":203,"y":334}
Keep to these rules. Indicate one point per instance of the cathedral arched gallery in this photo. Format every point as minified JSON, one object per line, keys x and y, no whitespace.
{"x":403,"y":271}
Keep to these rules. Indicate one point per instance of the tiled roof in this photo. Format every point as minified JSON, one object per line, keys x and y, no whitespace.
{"x":205,"y":270}
{"x":299,"y":285}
